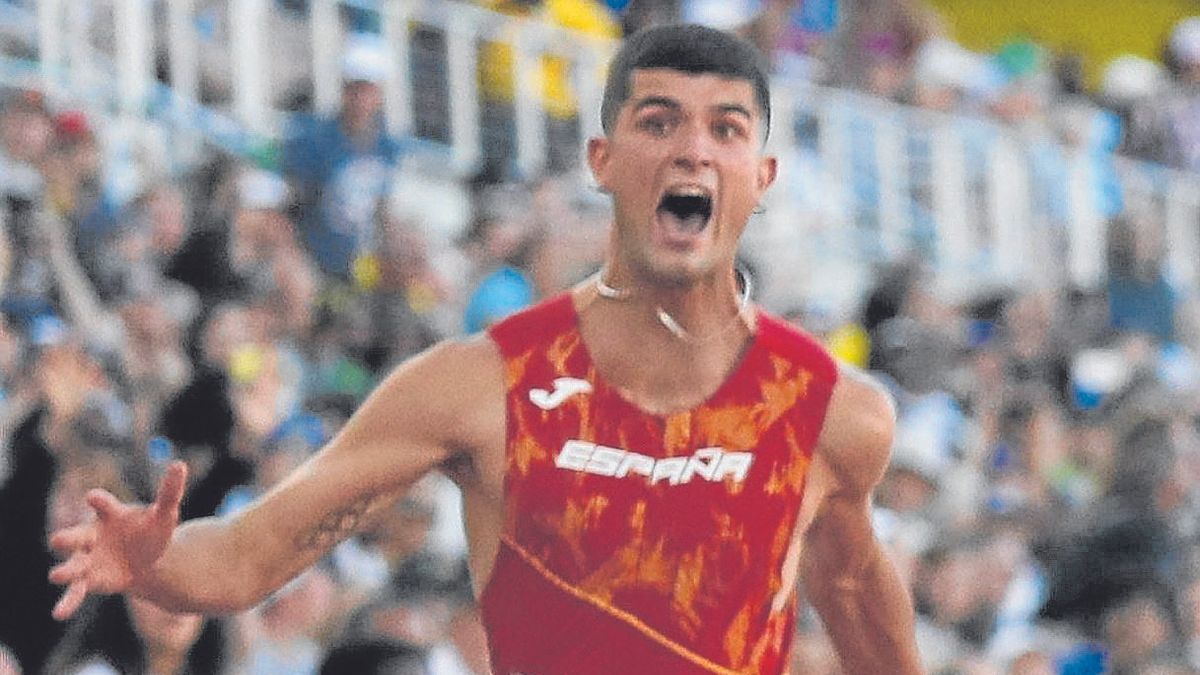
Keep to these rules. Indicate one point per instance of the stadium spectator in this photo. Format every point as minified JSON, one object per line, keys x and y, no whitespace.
{"x":281,"y":326}
{"x":119,"y":635}
{"x":1141,"y":298}
{"x":289,"y":627}
{"x":75,"y":185}
{"x":339,"y":168}
{"x":75,"y":436}
{"x":26,"y":136}
{"x":1183,"y":107}
{"x":503,"y":240}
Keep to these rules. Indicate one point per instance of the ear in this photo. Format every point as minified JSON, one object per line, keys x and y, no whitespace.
{"x":597,"y":157}
{"x":768,"y":169}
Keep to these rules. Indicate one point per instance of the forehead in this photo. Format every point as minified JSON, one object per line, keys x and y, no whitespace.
{"x":692,"y":89}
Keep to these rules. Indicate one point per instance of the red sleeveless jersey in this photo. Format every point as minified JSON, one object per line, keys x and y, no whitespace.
{"x":638,"y":543}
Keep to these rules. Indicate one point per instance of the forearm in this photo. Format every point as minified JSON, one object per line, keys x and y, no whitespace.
{"x":78,"y":296}
{"x":868,"y":615}
{"x":205,"y":569}
{"x":403,"y":430}
{"x":217,"y":566}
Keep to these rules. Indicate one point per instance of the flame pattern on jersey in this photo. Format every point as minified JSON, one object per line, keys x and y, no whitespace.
{"x":601,"y":570}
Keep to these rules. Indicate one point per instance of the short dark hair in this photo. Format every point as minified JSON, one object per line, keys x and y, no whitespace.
{"x":688,"y":48}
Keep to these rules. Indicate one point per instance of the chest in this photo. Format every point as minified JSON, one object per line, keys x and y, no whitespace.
{"x":611,"y":497}
{"x":572,"y":438}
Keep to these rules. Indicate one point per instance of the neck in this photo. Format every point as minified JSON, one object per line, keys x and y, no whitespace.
{"x":691,"y":312}
{"x":359,"y":128}
{"x":653,"y":366}
{"x":163,"y":661}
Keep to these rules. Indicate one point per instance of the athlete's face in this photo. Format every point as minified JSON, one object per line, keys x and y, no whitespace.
{"x":685,"y":168}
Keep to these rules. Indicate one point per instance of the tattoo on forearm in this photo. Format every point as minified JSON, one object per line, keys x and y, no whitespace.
{"x":334,"y":527}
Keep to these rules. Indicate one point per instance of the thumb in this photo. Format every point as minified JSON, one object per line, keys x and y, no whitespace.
{"x":170,"y":490}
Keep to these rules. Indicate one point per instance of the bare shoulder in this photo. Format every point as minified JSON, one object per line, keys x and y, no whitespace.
{"x":455,"y":362}
{"x":450,"y":396}
{"x":856,"y":439}
{"x":474,"y":371}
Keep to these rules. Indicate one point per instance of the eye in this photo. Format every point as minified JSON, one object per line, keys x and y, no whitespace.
{"x":655,"y":125}
{"x":729,"y":130}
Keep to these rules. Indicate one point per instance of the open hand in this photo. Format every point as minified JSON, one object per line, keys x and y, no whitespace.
{"x":111,"y":553}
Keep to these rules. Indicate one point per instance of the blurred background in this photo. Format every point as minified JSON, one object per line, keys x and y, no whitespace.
{"x":222,"y":221}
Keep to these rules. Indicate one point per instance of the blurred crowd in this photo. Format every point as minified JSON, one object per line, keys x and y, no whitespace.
{"x":1044,"y":492}
{"x":905,"y":51}
{"x":234,"y":319}
{"x":1044,"y":498}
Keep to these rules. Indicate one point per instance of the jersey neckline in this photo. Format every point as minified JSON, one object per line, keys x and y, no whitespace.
{"x":732,"y":378}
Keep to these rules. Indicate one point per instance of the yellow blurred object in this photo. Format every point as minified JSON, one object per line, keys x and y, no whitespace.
{"x":1099,"y":30}
{"x":850,"y":344}
{"x":246,"y":363}
{"x":496,"y":59}
{"x":422,"y":298}
{"x":366,"y":272}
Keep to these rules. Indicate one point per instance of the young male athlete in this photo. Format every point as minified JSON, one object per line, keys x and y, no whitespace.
{"x":649,"y":464}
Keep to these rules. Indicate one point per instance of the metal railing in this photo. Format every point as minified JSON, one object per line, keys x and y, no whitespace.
{"x":984,"y":203}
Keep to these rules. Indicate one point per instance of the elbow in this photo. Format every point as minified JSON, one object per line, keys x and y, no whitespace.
{"x":222,"y":593}
{"x":216,"y":603}
{"x":226,"y":599}
{"x":240,"y":600}
{"x":852,"y":581}
{"x":837,"y":595}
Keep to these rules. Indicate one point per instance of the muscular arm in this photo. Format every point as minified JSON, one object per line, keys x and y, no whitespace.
{"x":848,"y":577}
{"x":432,"y":408}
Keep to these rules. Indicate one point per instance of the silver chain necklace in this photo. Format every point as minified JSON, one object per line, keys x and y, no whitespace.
{"x":604,"y":290}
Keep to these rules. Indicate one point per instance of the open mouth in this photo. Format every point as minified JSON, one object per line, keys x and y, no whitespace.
{"x":687,"y":212}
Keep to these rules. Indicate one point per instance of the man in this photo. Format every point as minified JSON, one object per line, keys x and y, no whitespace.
{"x":340,"y":167}
{"x":647,"y":464}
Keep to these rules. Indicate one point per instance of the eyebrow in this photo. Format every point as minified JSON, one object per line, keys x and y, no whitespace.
{"x":657,"y":101}
{"x":664,"y":102}
{"x":734,"y":108}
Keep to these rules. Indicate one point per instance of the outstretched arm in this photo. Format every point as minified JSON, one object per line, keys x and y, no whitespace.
{"x":78,"y":295}
{"x":428,"y":410}
{"x":847,"y":575}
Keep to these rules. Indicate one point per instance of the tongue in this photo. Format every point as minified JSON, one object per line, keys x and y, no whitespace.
{"x":690,"y":223}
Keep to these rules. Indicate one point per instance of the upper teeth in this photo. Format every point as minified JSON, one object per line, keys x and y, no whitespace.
{"x":689,"y":191}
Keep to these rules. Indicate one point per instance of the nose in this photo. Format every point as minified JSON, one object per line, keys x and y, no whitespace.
{"x":694,"y":150}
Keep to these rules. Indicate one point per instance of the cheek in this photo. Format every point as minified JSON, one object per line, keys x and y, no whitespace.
{"x":742,"y":190}
{"x":634,"y":174}
{"x":632,"y":160}
{"x":632,"y":182}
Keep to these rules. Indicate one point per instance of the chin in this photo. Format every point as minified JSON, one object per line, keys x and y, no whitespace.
{"x":677,"y":272}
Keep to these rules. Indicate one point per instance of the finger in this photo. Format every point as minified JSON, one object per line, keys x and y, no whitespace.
{"x":66,"y":541}
{"x":70,"y":601}
{"x":69,"y":571}
{"x":106,"y":505}
{"x":170,"y":490}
